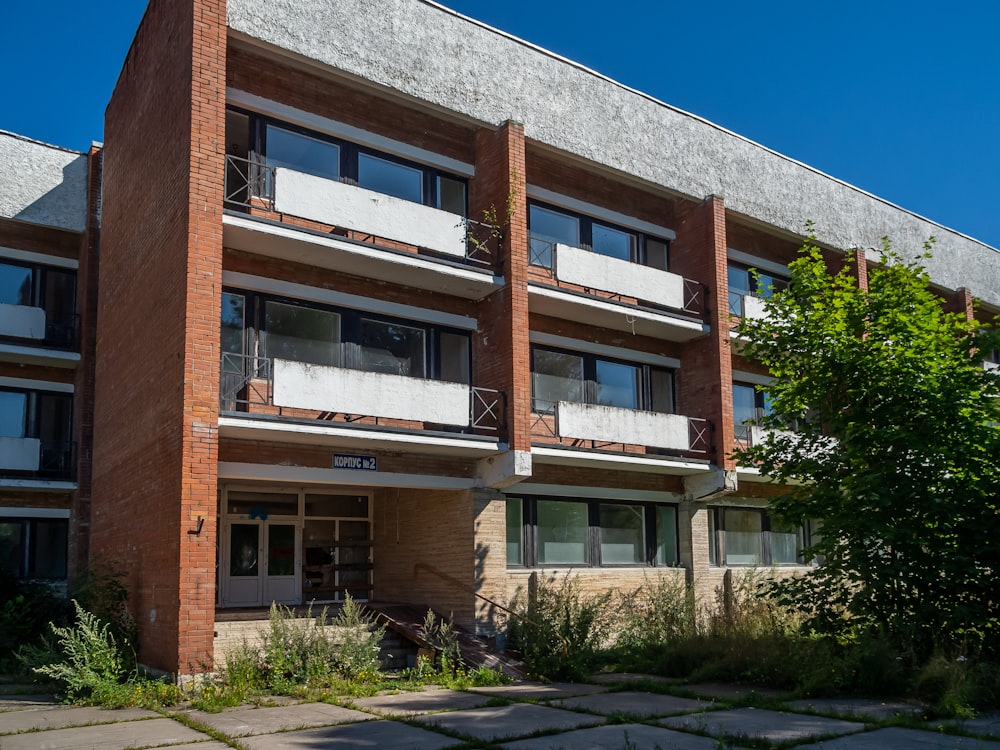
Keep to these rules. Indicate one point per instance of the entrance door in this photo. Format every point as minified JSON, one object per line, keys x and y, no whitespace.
{"x":262,"y":564}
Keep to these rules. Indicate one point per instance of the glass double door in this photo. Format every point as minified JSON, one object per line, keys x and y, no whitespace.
{"x":262,"y":563}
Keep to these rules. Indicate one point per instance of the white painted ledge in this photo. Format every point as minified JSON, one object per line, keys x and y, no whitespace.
{"x":589,"y":269}
{"x":343,"y":205}
{"x":374,"y":394}
{"x":753,"y":308}
{"x":616,"y":425}
{"x":21,"y":321}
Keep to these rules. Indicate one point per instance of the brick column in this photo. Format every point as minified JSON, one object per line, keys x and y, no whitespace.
{"x":961,"y":302}
{"x":502,"y":354}
{"x":156,"y":400}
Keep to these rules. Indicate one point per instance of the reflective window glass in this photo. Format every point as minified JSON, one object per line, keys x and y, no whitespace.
{"x":666,"y":535}
{"x":739,"y":287}
{"x":392,"y":348}
{"x":244,"y":543}
{"x":623,"y":534}
{"x":280,"y":550}
{"x":562,"y":532}
{"x":613,"y":242}
{"x":451,"y":195}
{"x":455,"y":357}
{"x":13,"y":413}
{"x":15,"y":285}
{"x":337,"y":506}
{"x":547,"y":228}
{"x":384,"y":176}
{"x":232,"y":332}
{"x":302,"y":153}
{"x":556,"y":376}
{"x":744,"y":541}
{"x":787,"y":543}
{"x":618,"y":384}
{"x":661,"y":389}
{"x":515,"y":531}
{"x":263,"y":505}
{"x":301,"y":334}
{"x":656,"y":253}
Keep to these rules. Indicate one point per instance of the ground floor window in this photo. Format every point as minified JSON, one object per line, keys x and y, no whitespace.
{"x":589,"y":532}
{"x":34,"y":548}
{"x":751,"y":536}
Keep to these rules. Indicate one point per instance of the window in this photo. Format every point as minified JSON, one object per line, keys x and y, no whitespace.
{"x":279,"y":144}
{"x":750,"y":537}
{"x":544,"y":531}
{"x":34,"y":548}
{"x":51,"y":289}
{"x":584,"y":378}
{"x":340,"y":337}
{"x":749,"y":404}
{"x":747,"y":282}
{"x":548,"y":226}
{"x":44,"y":416}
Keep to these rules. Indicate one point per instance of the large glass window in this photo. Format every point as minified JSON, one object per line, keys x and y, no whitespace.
{"x":34,"y":548}
{"x":747,"y":282}
{"x":302,"y":334}
{"x":13,"y":413}
{"x":750,"y":536}
{"x":393,"y":349}
{"x":391,"y":178}
{"x":585,"y":378}
{"x":542,"y":531}
{"x":286,"y":148}
{"x":16,"y":285}
{"x":52,"y":289}
{"x":456,"y":360}
{"x":548,"y":225}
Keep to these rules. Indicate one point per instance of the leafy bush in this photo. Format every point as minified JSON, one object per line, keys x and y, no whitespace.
{"x":25,"y":611}
{"x":659,"y":612}
{"x":100,"y":589}
{"x":356,"y":656}
{"x":296,"y":651}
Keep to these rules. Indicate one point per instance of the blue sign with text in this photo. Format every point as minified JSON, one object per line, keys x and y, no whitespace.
{"x":358,"y":463}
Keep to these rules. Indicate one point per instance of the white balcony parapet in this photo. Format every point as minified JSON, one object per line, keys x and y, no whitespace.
{"x":21,"y":321}
{"x":20,"y":454}
{"x":616,"y":425}
{"x":337,"y":389}
{"x":589,"y":269}
{"x":362,"y":210}
{"x":991,"y":366}
{"x":753,"y":308}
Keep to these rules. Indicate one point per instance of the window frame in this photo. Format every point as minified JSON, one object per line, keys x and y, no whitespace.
{"x":350,"y":153}
{"x":592,"y":545}
{"x":585,"y":225}
{"x":351,"y":319}
{"x":768,"y":524}
{"x":754,"y":287}
{"x":591,"y":384}
{"x":28,"y":539}
{"x":60,"y":328}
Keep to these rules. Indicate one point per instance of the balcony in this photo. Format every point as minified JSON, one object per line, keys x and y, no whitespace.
{"x":338,"y":225}
{"x":302,"y":402}
{"x":746,"y":306}
{"x":29,"y":458}
{"x":628,"y":432}
{"x":579,"y":284}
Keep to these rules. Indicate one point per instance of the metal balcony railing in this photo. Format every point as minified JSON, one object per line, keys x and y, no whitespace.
{"x":247,"y":383}
{"x":249,"y":184}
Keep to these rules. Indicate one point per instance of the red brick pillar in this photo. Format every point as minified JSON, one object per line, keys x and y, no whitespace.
{"x":961,"y":302}
{"x":156,"y":399}
{"x":705,"y":381}
{"x":502,"y":354}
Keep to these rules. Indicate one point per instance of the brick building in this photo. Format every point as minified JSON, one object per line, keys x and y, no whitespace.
{"x":393,"y":303}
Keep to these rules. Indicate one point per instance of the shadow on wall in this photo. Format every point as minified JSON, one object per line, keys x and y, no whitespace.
{"x":34,"y":199}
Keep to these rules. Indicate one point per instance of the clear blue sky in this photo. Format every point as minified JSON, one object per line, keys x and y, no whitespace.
{"x":898,"y":97}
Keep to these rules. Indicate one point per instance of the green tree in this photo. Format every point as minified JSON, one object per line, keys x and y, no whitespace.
{"x":895,"y":448}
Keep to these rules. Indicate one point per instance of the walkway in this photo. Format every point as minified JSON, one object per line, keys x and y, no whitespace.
{"x":526,"y":716}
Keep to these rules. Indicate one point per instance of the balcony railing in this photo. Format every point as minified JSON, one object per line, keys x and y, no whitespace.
{"x":30,"y":458}
{"x":543,"y":255}
{"x":248,"y":384}
{"x":38,"y":327}
{"x":251,"y":186}
{"x":694,"y":438}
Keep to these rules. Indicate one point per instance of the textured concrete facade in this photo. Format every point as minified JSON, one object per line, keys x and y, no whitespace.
{"x":42,"y":184}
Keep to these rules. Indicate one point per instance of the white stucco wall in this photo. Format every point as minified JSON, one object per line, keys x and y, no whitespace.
{"x":21,"y":321}
{"x":364,"y":210}
{"x":586,"y":268}
{"x":373,"y":394}
{"x":616,"y":425}
{"x":19,"y":454}
{"x":437,"y":56}
{"x":42,"y":184}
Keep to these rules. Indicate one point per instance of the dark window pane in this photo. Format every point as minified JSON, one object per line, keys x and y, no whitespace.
{"x":451,"y":195}
{"x":49,"y":539}
{"x":393,"y":349}
{"x":280,"y":550}
{"x":515,"y":531}
{"x":613,"y":242}
{"x":337,"y":506}
{"x":455,"y":357}
{"x":661,"y":388}
{"x":12,"y":547}
{"x":744,"y":404}
{"x":656,"y":253}
{"x":623,"y":534}
{"x":233,"y":312}
{"x":244,"y":540}
{"x":556,"y":377}
{"x":263,"y":505}
{"x":562,"y":532}
{"x":302,"y":153}
{"x":15,"y":285}
{"x":388,"y":177}
{"x":617,"y":385}
{"x":55,"y":419}
{"x":302,"y":334}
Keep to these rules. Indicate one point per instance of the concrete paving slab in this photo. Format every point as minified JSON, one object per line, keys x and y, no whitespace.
{"x":213,"y":745}
{"x":897,"y":737}
{"x":728,"y":692}
{"x":861,"y":707}
{"x":56,"y":717}
{"x":540,"y":691}
{"x":243,"y":722}
{"x":501,"y":722}
{"x":755,"y":723}
{"x":422,"y":702}
{"x":606,"y":678}
{"x":22,"y":702}
{"x":616,"y":737}
{"x":988,"y":726}
{"x":128,"y":734}
{"x":371,"y":734}
{"x":642,"y":705}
